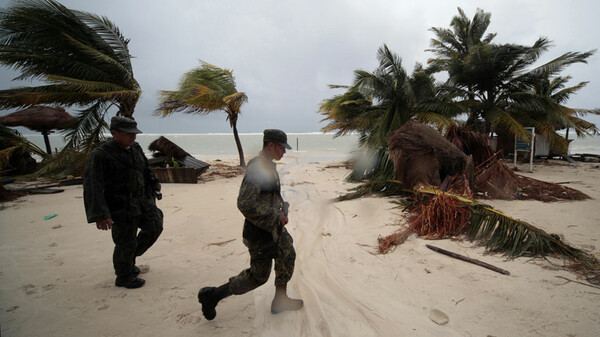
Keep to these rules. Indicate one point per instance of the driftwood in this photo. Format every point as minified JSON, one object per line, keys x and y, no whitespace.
{"x":468,"y":259}
{"x":38,"y":189}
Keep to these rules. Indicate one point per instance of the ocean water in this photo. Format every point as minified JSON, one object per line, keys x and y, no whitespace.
{"x":317,"y":146}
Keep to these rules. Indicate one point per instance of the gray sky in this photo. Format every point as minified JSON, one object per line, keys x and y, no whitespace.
{"x":285,"y":53}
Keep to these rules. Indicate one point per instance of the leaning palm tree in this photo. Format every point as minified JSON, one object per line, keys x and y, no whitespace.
{"x":81,"y":59}
{"x":381,"y":101}
{"x":203,"y":90}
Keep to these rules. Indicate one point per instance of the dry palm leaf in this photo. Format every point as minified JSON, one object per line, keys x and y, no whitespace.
{"x":438,"y":214}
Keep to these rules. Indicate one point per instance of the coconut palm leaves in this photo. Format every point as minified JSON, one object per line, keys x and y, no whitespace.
{"x":436,"y":214}
{"x":11,"y":138}
{"x":379,"y":102}
{"x":496,"y":81}
{"x":82,"y":59}
{"x":203,"y":90}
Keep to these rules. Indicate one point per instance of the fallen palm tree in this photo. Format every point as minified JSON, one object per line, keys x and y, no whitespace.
{"x":439,"y":180}
{"x":435,"y":214}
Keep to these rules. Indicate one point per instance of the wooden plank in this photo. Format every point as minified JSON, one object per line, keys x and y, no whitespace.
{"x":186,"y":175}
{"x":44,"y":191}
{"x":69,"y":182}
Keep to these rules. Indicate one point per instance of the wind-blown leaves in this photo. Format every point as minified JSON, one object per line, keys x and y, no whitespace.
{"x":14,"y":138}
{"x":498,"y":83}
{"x":203,"y":90}
{"x":82,"y":60}
{"x":381,"y":101}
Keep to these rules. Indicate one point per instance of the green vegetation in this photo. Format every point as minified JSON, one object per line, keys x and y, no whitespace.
{"x":203,"y":90}
{"x":498,"y":86}
{"x":81,"y":59}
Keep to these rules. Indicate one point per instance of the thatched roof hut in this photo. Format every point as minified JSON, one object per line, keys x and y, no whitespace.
{"x":42,"y":119}
{"x":422,"y":156}
{"x":470,"y":142}
{"x":168,"y":148}
{"x":171,"y":151}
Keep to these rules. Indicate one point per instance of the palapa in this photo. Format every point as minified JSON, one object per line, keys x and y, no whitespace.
{"x":423,"y":157}
{"x":164,"y":147}
{"x":39,"y":118}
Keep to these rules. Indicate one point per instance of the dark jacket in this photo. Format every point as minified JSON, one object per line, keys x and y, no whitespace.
{"x":118,"y":183}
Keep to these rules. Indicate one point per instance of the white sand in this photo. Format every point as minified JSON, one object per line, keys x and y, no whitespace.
{"x":56,"y":276}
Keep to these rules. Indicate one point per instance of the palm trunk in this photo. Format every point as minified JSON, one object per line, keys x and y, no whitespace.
{"x":238,"y":144}
{"x":47,"y":141}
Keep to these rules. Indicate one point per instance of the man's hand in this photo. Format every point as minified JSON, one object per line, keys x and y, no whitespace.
{"x":283,"y":218}
{"x":104,"y":224}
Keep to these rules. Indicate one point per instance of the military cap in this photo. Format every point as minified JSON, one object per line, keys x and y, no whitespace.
{"x":276,"y":136}
{"x":124,"y":124}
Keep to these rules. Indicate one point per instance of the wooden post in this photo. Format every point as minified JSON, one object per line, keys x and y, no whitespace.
{"x":47,"y":141}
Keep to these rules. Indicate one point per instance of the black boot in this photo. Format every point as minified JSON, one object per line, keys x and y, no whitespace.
{"x":129,"y":281}
{"x":209,"y":297}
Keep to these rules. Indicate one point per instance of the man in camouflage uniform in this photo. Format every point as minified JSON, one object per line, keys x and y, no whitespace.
{"x":119,"y":190}
{"x":264,"y":232}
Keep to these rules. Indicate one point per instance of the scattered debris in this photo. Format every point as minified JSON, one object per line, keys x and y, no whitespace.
{"x":438,"y":317}
{"x":222,"y":243}
{"x":468,"y":259}
{"x":185,"y":168}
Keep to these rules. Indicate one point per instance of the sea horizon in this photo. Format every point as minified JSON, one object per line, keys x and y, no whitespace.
{"x":221,"y":144}
{"x":213,"y":145}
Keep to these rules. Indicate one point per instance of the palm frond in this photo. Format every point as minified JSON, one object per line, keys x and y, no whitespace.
{"x":84,"y":59}
{"x":445,"y":214}
{"x":13,"y":137}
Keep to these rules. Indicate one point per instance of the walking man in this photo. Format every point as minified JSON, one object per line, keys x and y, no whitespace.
{"x":119,"y":190}
{"x":264,"y":232}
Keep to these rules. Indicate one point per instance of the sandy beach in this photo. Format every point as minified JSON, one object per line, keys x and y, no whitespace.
{"x":56,"y":276}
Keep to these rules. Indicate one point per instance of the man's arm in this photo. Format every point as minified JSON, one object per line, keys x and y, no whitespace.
{"x":258,"y":207}
{"x":96,"y":208}
{"x":151,"y":183}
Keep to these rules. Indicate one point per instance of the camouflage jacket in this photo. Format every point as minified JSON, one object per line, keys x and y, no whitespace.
{"x":117,"y":182}
{"x":260,"y":199}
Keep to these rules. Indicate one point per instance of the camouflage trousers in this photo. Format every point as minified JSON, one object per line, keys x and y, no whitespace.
{"x":260,"y":267}
{"x":129,"y":243}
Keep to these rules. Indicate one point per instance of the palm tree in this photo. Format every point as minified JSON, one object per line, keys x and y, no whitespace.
{"x":453,"y":46}
{"x":381,"y":101}
{"x":496,"y":81}
{"x":81,"y":58}
{"x":555,"y":115}
{"x":203,"y":90}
